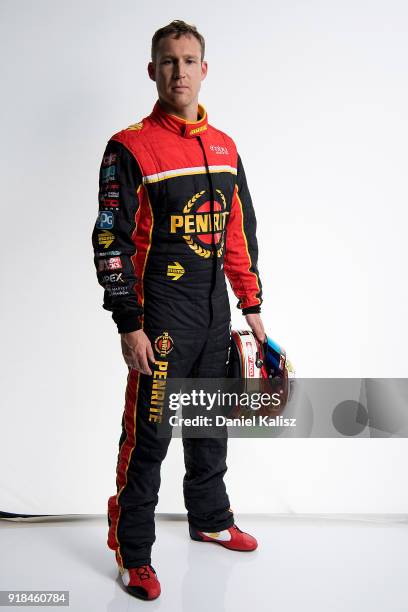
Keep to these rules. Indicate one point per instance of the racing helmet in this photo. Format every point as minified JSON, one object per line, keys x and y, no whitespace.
{"x":251,"y":359}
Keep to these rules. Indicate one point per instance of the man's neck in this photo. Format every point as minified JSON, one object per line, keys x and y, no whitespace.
{"x":189,"y":113}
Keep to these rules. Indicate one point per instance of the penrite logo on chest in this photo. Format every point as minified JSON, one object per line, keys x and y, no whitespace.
{"x":196,"y":224}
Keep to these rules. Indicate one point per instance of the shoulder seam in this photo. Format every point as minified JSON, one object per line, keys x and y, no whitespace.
{"x":124,"y":144}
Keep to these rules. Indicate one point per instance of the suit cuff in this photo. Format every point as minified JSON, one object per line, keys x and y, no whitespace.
{"x":129,"y":324}
{"x":251,"y":310}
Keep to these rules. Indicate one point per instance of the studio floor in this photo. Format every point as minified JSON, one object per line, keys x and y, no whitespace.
{"x":303,"y":562}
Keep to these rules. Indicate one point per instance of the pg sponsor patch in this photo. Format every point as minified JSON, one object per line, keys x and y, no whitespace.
{"x":105,"y":220}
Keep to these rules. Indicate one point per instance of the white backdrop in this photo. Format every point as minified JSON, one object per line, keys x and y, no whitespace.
{"x":315,"y":95}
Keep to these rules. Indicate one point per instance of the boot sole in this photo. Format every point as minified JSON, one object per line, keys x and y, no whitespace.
{"x":223,"y":545}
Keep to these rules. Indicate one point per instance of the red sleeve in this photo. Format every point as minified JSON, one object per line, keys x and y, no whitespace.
{"x":241,"y":254}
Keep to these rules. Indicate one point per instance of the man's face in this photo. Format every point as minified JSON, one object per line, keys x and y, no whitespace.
{"x":178,"y":72}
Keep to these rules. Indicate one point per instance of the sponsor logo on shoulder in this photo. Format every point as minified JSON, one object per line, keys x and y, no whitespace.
{"x":109,"y":254}
{"x":105,"y":220}
{"x":136,"y":126}
{"x":113,"y":278}
{"x":109,"y":159}
{"x":106,"y":238}
{"x":117,"y":290}
{"x":109,"y":173}
{"x":219,"y":149}
{"x":113,"y":263}
{"x":109,"y":195}
{"x":109,"y":202}
{"x":114,"y":186}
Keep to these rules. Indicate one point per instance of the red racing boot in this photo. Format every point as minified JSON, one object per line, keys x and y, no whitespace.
{"x":232,"y":538}
{"x":141,"y":581}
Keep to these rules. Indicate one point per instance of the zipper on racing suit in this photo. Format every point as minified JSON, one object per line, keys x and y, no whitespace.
{"x":214,"y":247}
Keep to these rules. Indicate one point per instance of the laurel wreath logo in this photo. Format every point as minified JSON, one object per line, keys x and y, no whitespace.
{"x":197,"y":248}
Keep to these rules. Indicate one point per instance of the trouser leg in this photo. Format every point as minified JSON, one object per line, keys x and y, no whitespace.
{"x":205,"y":495}
{"x":131,"y":510}
{"x":142,"y":447}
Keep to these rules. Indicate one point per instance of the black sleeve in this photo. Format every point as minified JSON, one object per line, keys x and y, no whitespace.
{"x":119,"y":180}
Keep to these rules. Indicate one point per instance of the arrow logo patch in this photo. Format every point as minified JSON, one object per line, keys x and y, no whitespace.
{"x":175,"y":270}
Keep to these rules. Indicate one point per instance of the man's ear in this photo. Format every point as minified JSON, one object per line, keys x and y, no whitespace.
{"x":204,"y":70}
{"x":151,"y":69}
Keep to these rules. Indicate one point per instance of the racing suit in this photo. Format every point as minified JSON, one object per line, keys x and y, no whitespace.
{"x":175,"y":217}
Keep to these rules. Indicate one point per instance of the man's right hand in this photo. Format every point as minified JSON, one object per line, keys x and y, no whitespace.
{"x":137,"y":350}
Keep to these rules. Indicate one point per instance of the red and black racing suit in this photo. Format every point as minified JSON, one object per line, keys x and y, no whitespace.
{"x":175,"y":216}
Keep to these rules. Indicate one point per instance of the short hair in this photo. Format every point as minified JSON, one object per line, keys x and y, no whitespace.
{"x":179,"y":28}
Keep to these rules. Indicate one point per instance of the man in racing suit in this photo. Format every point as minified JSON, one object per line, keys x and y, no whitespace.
{"x":175,"y":217}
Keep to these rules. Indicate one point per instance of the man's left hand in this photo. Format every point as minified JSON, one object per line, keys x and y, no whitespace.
{"x":255,"y":323}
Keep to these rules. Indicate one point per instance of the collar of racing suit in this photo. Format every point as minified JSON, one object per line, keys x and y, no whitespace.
{"x":183,"y":127}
